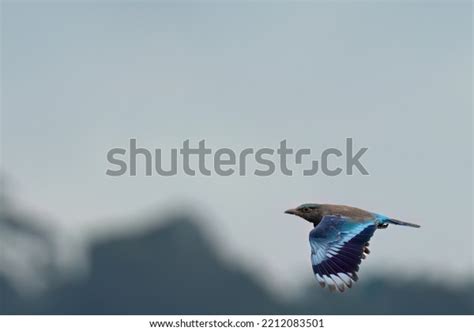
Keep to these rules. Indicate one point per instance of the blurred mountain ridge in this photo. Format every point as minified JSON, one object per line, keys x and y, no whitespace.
{"x":173,"y":268}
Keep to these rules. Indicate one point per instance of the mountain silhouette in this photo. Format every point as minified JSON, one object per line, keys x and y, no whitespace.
{"x":174,"y":269}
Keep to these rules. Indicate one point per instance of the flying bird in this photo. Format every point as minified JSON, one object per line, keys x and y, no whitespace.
{"x":340,"y":240}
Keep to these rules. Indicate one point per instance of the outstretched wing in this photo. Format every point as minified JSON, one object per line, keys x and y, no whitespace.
{"x":337,"y":248}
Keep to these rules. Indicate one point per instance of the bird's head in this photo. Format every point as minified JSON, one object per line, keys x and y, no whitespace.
{"x":308,"y":211}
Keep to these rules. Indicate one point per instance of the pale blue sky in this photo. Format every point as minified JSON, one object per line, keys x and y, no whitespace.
{"x":80,"y":79}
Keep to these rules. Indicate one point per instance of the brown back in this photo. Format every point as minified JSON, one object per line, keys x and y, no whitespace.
{"x":348,"y":211}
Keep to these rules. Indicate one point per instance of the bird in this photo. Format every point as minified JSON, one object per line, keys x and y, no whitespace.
{"x":340,"y":240}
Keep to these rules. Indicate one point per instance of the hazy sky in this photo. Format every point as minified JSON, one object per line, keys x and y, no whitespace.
{"x":80,"y":79}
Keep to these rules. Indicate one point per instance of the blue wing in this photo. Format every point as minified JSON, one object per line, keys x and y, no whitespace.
{"x":337,"y":248}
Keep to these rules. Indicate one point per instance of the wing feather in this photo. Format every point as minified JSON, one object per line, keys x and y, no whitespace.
{"x":337,"y":249}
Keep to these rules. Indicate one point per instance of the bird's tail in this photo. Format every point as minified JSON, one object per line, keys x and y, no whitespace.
{"x":397,"y":222}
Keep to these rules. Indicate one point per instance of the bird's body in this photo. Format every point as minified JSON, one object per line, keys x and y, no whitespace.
{"x":340,"y":240}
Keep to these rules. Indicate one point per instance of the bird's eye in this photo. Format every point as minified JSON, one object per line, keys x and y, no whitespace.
{"x":305,"y":210}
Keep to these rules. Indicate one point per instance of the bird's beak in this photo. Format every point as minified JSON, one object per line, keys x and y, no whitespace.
{"x":290,"y":211}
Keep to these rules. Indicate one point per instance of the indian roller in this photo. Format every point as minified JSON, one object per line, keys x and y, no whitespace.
{"x":340,"y":240}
